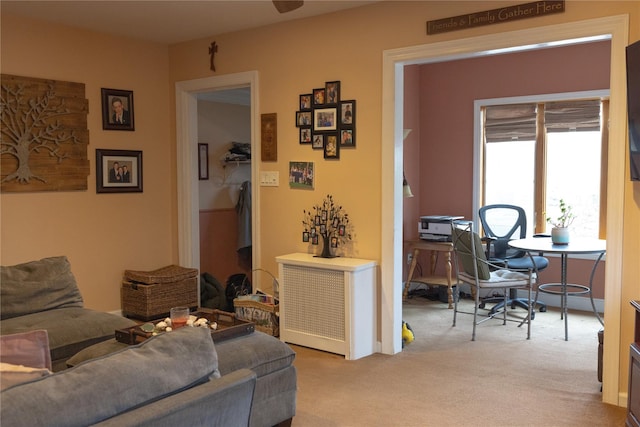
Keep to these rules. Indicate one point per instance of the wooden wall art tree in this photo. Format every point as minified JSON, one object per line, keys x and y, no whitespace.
{"x":44,"y":135}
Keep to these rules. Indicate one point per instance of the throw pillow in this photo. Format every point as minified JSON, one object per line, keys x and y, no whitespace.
{"x":28,"y":348}
{"x":11,"y":375}
{"x":37,"y":286}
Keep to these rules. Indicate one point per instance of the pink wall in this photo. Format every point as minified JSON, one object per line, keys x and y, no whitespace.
{"x":442,"y":178}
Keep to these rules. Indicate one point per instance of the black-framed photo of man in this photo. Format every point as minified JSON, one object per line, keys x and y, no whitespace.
{"x":118,"y":171}
{"x":117,"y":109}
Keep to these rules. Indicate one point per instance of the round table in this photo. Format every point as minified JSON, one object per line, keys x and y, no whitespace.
{"x":564,"y":289}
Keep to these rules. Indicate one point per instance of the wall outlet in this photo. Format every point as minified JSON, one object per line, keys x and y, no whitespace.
{"x":409,"y":258}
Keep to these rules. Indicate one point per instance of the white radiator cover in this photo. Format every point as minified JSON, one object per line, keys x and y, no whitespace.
{"x":328,"y":304}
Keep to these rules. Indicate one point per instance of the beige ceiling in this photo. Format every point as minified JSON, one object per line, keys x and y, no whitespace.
{"x":168,"y":21}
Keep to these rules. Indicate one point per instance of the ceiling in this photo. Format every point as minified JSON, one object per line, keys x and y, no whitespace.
{"x":169,"y":21}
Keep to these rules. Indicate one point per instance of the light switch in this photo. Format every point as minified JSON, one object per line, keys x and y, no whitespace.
{"x":269,"y":178}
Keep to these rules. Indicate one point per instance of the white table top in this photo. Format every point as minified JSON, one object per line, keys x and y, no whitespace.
{"x":575,"y":246}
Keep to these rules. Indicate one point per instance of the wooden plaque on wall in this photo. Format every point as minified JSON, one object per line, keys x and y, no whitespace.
{"x":269,"y":137}
{"x":44,"y":136}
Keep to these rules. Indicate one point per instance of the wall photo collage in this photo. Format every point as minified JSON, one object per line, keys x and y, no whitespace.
{"x":326,"y":122}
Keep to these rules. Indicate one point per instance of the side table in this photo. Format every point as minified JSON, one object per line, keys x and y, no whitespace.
{"x":415,"y":246}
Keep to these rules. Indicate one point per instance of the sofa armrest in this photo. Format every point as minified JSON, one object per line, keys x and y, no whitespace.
{"x":224,"y":401}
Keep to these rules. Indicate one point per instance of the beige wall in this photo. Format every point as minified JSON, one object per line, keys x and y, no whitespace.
{"x":101,"y":234}
{"x":291,"y":59}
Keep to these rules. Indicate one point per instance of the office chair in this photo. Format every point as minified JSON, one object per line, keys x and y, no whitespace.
{"x":480,"y":273}
{"x":501,"y":223}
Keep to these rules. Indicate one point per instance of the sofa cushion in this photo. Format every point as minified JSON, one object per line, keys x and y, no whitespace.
{"x":258,"y":351}
{"x":101,"y":388}
{"x":69,"y":329}
{"x":11,"y":375}
{"x":28,"y":349}
{"x":37,"y":286}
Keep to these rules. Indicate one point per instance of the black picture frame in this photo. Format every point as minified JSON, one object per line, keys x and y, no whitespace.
{"x":325,"y":119}
{"x":304,"y":118}
{"x":112,"y":99}
{"x":305,"y":101}
{"x":317,"y":141}
{"x":305,"y":135}
{"x":107,"y":180}
{"x":347,"y":137}
{"x":203,"y":161}
{"x":331,"y":146}
{"x":348,"y":113}
{"x":318,"y":97}
{"x":332,"y":93}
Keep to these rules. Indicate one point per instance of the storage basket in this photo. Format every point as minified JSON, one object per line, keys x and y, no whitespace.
{"x":149,"y":295}
{"x":261,"y":310}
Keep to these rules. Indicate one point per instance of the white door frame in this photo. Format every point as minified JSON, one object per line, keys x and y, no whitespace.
{"x":392,"y":129}
{"x":187,"y":161}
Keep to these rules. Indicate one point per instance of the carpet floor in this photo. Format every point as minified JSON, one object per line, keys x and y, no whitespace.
{"x":445,"y":379}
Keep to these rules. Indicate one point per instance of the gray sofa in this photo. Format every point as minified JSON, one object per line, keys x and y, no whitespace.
{"x":168,"y":380}
{"x":44,"y":294}
{"x":257,"y":360}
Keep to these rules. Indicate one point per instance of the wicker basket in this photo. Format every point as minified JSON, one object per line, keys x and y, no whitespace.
{"x":149,"y":295}
{"x":264,"y":315}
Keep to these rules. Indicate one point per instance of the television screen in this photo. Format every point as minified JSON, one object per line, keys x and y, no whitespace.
{"x":633,"y":107}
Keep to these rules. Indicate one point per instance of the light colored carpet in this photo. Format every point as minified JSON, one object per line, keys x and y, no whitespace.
{"x":445,"y":379}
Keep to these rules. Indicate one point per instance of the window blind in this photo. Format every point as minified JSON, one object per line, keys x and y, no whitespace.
{"x":510,"y":122}
{"x":567,"y":116}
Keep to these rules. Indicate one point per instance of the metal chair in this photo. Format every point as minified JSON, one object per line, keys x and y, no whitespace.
{"x":479,"y":273}
{"x":501,"y":223}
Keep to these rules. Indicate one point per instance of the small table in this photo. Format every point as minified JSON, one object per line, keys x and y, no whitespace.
{"x":431,"y":279}
{"x":564,"y":289}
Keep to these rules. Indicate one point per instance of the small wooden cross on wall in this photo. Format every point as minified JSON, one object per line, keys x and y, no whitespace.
{"x":212,"y":51}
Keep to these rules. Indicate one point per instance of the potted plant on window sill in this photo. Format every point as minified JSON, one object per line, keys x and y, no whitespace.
{"x":560,"y":230}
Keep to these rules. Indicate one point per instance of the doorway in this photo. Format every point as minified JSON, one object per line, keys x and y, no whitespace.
{"x":392,"y":129}
{"x":187,"y":93}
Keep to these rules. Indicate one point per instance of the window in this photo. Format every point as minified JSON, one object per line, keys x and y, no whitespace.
{"x":536,"y":153}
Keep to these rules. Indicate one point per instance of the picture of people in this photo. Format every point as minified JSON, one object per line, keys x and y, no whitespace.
{"x":325,"y":119}
{"x":331,"y":149}
{"x":346,"y":138}
{"x":305,"y":135}
{"x":117,"y":109}
{"x":318,"y":142}
{"x":347,"y":112}
{"x":303,"y":118}
{"x":305,"y":102}
{"x":301,"y":175}
{"x":119,"y":172}
{"x":318,"y":96}
{"x":332,"y":92}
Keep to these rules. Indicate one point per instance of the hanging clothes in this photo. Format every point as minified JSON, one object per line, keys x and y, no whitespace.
{"x":243,"y":209}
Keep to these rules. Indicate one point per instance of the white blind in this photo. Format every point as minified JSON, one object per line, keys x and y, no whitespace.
{"x":566,"y":116}
{"x":510,"y":122}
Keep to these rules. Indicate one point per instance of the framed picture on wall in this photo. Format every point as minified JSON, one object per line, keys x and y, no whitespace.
{"x":118,"y":171}
{"x":325,"y":119}
{"x":318,"y":97}
{"x":331,"y":146}
{"x":203,"y":162}
{"x":317,"y":141}
{"x":332,"y":92}
{"x":117,"y":109}
{"x":347,"y":138}
{"x":305,"y":102}
{"x":348,"y":113}
{"x":301,"y":175}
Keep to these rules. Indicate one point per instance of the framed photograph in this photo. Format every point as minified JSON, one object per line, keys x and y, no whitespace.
{"x":305,"y":101}
{"x":318,"y":97}
{"x":332,"y":92}
{"x":269,"y":137}
{"x":117,"y":109}
{"x":305,"y":135}
{"x":331,"y":146}
{"x":301,"y":175}
{"x":303,"y":118}
{"x":305,"y":236}
{"x":118,"y":171}
{"x":348,"y":113}
{"x":203,"y":162}
{"x":325,"y":119}
{"x":347,"y":138}
{"x":317,"y":141}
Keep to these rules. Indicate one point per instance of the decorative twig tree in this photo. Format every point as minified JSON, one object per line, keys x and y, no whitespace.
{"x":326,"y":221}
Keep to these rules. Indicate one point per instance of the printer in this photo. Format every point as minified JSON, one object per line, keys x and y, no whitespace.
{"x":436,"y":228}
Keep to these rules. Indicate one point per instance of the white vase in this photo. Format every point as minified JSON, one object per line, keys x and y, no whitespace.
{"x":560,"y":235}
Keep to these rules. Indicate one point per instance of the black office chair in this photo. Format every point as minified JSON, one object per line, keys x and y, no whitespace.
{"x":502,"y":223}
